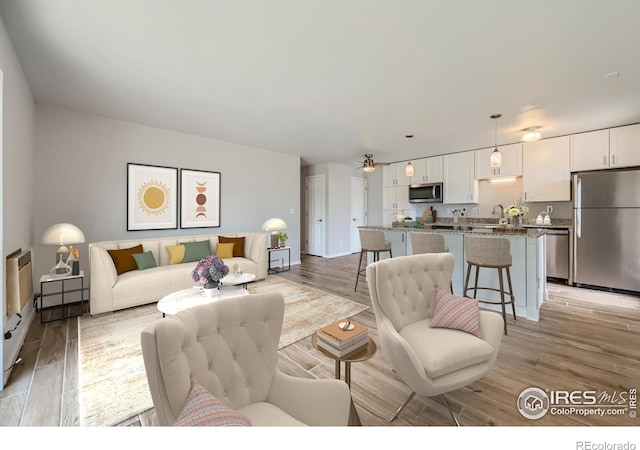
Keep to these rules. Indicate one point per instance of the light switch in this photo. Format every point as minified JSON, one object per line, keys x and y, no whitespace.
{"x":293,"y":211}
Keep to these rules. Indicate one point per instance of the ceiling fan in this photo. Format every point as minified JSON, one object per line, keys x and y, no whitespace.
{"x":368,"y":165}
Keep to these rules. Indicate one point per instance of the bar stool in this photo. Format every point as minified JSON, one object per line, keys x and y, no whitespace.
{"x":490,"y":253}
{"x":371,"y":241}
{"x":428,"y":243}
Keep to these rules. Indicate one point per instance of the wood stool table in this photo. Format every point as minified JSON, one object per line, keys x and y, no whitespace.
{"x":362,"y":354}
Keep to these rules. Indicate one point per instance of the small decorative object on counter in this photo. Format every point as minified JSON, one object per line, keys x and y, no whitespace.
{"x":282,"y":238}
{"x":429,"y":215}
{"x":517,"y":212}
{"x":463,"y":215}
{"x":74,"y":260}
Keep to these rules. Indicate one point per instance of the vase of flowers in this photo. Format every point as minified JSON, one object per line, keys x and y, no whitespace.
{"x":209,"y":271}
{"x":517,"y":212}
{"x":74,"y":260}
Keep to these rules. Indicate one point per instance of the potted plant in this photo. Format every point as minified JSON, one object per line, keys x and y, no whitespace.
{"x":282,"y":238}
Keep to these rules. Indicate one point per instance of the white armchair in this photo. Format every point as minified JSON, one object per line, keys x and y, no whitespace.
{"x":431,"y":361}
{"x":230,"y":347}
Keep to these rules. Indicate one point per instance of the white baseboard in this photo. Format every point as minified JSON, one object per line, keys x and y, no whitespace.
{"x":337,"y":255}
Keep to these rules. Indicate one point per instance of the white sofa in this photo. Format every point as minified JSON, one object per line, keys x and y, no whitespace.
{"x":109,"y":291}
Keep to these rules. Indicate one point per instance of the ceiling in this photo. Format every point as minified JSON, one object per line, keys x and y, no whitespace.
{"x":332,"y":80}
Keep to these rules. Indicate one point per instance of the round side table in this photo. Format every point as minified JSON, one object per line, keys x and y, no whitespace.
{"x":362,"y":354}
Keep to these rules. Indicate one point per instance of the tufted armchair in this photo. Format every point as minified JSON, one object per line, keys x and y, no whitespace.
{"x":431,"y":361}
{"x":230,"y":347}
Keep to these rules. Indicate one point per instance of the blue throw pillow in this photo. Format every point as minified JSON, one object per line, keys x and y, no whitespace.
{"x":144,"y":260}
{"x":195,"y":251}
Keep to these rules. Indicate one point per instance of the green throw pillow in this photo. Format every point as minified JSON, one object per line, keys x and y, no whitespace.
{"x":195,"y":251}
{"x":144,"y":260}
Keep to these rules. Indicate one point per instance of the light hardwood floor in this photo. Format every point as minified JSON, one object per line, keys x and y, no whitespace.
{"x":585,"y":340}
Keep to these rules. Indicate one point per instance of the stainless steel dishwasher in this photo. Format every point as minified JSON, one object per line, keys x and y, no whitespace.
{"x":558,"y":254}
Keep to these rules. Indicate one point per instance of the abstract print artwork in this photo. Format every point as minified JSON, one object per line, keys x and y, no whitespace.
{"x":199,"y":199}
{"x":152,"y":197}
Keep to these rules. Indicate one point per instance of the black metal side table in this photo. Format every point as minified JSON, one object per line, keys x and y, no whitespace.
{"x":271,"y":251}
{"x":68,"y":286}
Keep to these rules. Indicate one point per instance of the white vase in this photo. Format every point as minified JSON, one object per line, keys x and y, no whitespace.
{"x":210,"y":289}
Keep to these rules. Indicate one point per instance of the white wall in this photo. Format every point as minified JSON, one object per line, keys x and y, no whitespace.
{"x":81,"y":172}
{"x":16,"y":147}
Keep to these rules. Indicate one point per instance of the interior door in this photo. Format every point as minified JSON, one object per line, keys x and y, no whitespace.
{"x":358,"y":211}
{"x":315,"y":201}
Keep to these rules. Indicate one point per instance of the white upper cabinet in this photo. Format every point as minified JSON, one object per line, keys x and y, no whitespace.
{"x":459,"y":184}
{"x":427,"y":170}
{"x":394,"y":175}
{"x":511,"y":162}
{"x":395,"y":198}
{"x":546,"y":170}
{"x":606,"y":149}
{"x":625,"y":146}
{"x":590,"y":151}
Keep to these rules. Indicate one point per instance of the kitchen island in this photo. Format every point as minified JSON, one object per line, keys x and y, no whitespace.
{"x":528,"y":270}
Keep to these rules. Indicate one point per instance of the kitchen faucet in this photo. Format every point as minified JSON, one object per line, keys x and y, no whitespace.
{"x":501,"y":211}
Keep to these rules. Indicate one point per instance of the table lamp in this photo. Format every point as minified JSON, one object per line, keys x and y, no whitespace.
{"x":274,"y":225}
{"x":61,"y":234}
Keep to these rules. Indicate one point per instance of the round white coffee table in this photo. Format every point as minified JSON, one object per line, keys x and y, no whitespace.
{"x":187,"y":298}
{"x":242,"y":280}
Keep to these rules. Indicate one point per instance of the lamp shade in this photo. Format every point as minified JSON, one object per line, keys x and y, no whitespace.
{"x":274,"y":224}
{"x":61,"y":234}
{"x":408,"y":171}
{"x":496,"y":158}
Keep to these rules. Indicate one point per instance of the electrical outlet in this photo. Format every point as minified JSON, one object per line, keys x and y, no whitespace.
{"x":447,"y":210}
{"x":549,"y":209}
{"x":475,"y":210}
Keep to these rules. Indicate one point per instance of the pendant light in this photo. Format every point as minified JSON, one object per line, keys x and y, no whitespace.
{"x":408,"y":171}
{"x":496,"y":157}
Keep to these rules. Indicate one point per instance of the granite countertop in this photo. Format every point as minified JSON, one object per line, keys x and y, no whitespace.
{"x":483,"y":229}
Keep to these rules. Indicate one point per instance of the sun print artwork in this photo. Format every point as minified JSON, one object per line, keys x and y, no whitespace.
{"x":199,"y":199}
{"x":153,"y":197}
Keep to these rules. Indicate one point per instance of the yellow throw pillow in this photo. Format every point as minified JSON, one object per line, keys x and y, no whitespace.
{"x":176,"y":253}
{"x":225,"y":251}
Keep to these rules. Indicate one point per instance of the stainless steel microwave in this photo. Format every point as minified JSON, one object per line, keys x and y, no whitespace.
{"x":425,"y":193}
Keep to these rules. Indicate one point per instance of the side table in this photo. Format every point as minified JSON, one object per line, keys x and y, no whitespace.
{"x":271,"y":251}
{"x":362,"y":354}
{"x":70,"y":286}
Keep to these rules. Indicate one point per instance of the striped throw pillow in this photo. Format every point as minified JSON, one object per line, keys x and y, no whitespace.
{"x":458,"y":313}
{"x":202,"y":409}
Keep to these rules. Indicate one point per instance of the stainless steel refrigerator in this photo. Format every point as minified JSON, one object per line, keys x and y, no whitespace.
{"x":606,"y":250}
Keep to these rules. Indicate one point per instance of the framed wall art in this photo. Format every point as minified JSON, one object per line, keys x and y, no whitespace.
{"x":152,"y":197}
{"x":199,"y":199}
